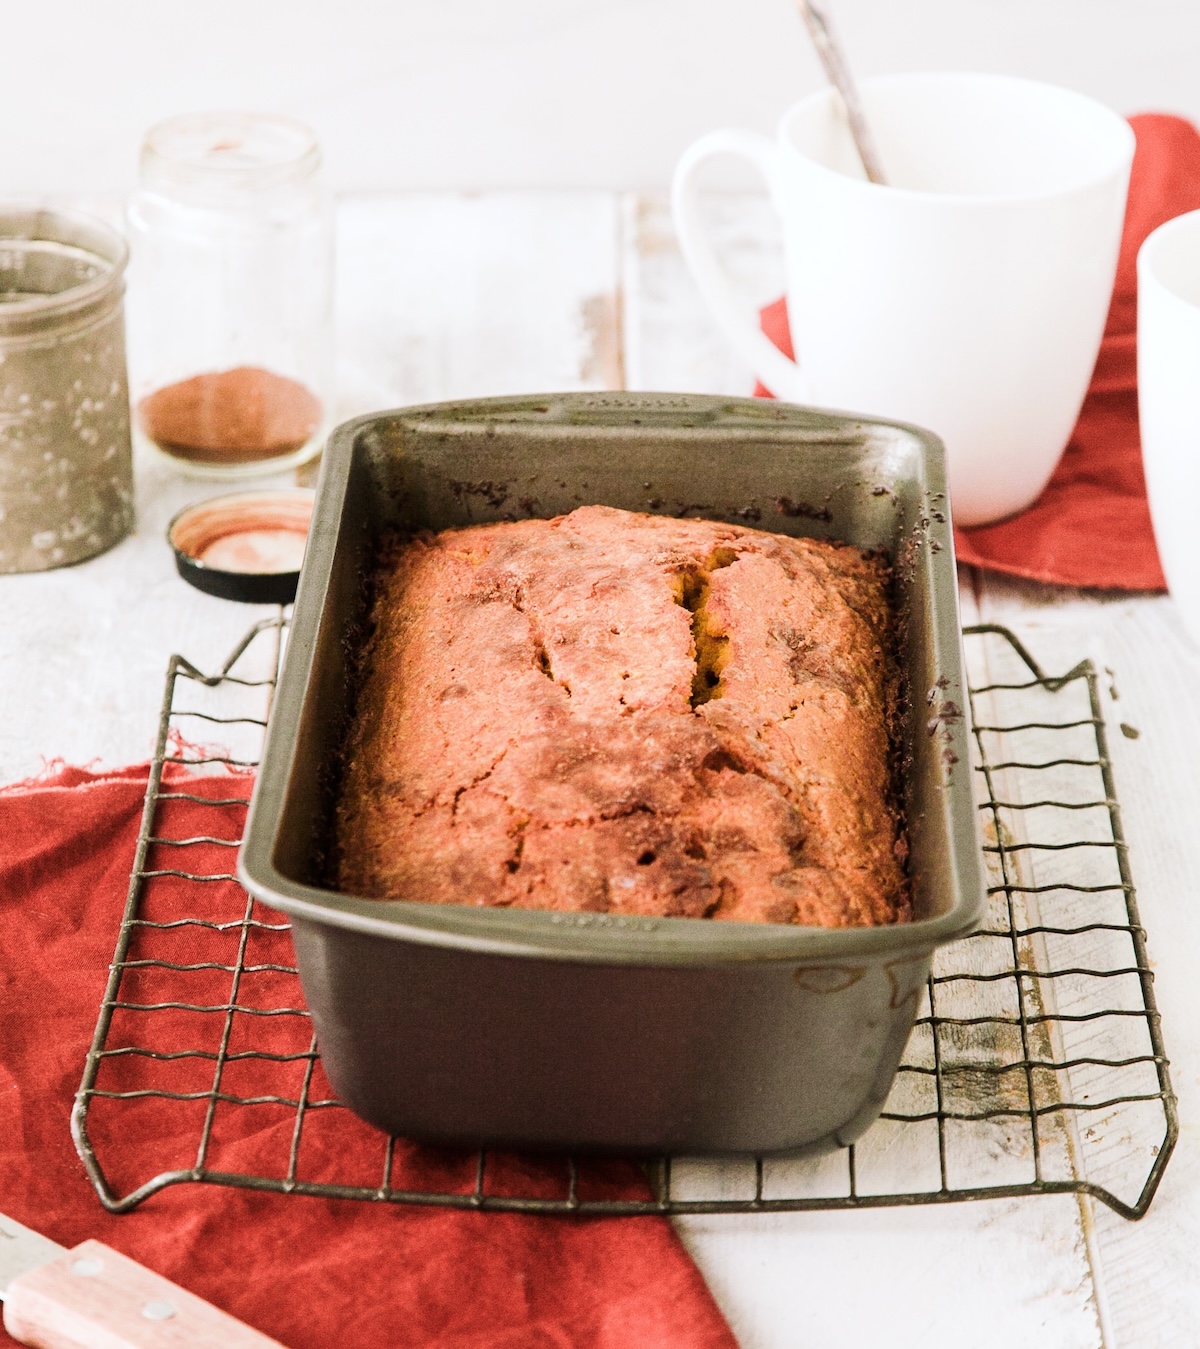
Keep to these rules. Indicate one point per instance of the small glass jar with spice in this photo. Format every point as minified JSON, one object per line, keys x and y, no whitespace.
{"x":230,"y":294}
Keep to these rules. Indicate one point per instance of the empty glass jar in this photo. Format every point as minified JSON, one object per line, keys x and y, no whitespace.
{"x":230,"y":294}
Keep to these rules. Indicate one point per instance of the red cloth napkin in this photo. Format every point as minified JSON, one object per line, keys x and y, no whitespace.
{"x":1091,"y":526}
{"x":310,"y":1272}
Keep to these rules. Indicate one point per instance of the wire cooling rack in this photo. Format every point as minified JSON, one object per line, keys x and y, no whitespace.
{"x":1035,"y":1065}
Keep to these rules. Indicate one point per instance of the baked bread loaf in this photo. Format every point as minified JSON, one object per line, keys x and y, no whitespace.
{"x":627,"y":714}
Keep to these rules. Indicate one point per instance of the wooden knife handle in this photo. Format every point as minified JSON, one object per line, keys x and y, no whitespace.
{"x":95,"y":1298}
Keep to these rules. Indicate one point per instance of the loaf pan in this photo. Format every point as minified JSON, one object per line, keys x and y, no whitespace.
{"x":593,"y":1032}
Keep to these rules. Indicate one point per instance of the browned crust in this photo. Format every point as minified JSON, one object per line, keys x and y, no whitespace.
{"x":629,"y":714}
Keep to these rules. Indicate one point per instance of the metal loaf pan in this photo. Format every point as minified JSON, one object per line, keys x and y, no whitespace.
{"x":593,"y":1032}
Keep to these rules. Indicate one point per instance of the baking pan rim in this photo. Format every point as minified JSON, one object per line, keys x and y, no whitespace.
{"x":600,"y":939}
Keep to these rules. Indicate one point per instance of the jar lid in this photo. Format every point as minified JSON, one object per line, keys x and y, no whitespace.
{"x":228,"y":151}
{"x":247,"y":546}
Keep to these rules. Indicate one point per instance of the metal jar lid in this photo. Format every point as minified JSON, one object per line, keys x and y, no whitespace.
{"x":246,"y":546}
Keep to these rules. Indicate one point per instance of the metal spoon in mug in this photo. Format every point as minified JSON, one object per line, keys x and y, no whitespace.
{"x":839,"y":76}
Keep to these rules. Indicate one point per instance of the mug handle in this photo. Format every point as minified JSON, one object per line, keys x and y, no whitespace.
{"x":736,"y":318}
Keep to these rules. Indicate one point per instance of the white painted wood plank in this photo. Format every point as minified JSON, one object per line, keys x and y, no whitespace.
{"x":1082,"y":978}
{"x":83,"y":650}
{"x":990,"y":1275}
{"x":472,"y":295}
{"x":671,"y":341}
{"x":1150,"y":1271}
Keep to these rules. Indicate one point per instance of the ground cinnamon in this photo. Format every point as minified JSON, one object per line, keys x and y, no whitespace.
{"x":233,"y":416}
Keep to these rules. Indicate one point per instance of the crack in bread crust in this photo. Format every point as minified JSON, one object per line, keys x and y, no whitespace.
{"x":631,"y":714}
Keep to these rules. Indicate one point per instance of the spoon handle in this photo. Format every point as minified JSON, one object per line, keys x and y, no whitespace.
{"x":839,"y":76}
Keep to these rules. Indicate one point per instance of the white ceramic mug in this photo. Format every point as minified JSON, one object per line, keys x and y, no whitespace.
{"x":968,"y":295}
{"x":1168,"y":362}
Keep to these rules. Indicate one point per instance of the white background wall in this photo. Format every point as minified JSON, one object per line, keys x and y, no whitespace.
{"x":513,"y":93}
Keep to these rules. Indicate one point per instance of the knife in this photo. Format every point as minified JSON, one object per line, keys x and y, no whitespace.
{"x":93,"y":1297}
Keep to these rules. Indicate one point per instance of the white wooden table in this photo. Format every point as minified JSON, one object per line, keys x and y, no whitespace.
{"x":454,"y":296}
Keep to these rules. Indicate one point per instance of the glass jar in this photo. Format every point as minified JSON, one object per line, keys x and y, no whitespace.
{"x":230,"y":296}
{"x":66,"y":470}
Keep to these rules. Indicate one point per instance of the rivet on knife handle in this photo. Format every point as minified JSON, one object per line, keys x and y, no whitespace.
{"x":95,"y":1298}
